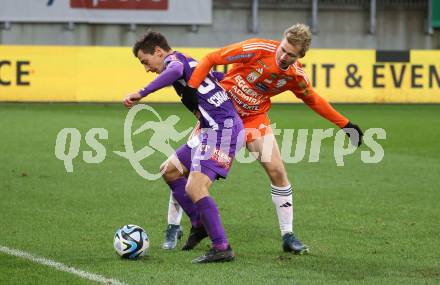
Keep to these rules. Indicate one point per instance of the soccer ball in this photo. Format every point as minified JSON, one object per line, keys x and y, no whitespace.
{"x":131,"y":242}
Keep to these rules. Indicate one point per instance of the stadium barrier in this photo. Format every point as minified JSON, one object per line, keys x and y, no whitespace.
{"x":108,"y":74}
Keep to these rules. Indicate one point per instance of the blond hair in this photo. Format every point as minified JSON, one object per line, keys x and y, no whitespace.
{"x":299,"y":35}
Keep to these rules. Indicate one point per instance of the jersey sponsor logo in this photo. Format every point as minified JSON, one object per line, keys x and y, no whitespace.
{"x":242,"y":106}
{"x":222,"y":158}
{"x":262,"y":63}
{"x":240,"y":56}
{"x":262,"y":87}
{"x":280,"y":83}
{"x":268,"y":81}
{"x":241,"y":83}
{"x":253,"y":76}
{"x":240,"y":93}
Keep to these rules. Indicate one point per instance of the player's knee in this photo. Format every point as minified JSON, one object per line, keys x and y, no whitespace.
{"x":276,"y":170}
{"x":190,"y":191}
{"x":169,"y":172}
{"x":277,"y":175}
{"x":195,"y":191}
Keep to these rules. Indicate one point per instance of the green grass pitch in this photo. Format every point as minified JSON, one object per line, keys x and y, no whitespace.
{"x":365,"y":223}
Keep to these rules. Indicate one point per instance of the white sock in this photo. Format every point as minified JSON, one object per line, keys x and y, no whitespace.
{"x":282,"y":199}
{"x":174,"y":211}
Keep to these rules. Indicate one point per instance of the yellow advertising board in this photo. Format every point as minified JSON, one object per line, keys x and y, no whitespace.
{"x":108,"y":74}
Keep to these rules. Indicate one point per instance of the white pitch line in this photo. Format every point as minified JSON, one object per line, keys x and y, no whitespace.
{"x":60,"y":266}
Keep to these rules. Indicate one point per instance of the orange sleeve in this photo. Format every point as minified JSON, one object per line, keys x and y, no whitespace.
{"x":323,"y":108}
{"x":229,"y":54}
{"x":305,"y":92}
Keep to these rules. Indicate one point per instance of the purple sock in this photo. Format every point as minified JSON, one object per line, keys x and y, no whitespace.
{"x":212,"y":222}
{"x":178,"y":188}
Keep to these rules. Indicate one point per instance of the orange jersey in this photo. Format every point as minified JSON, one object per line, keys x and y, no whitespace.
{"x":255,"y":77}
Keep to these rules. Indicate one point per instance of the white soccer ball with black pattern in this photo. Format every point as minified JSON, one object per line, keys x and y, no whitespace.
{"x":131,"y":242}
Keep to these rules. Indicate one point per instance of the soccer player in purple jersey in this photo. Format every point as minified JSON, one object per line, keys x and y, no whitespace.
{"x":202,"y":161}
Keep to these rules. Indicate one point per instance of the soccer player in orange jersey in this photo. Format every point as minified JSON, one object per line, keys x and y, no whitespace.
{"x":262,"y":69}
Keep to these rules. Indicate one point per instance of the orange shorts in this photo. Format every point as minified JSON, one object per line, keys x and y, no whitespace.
{"x":256,"y":126}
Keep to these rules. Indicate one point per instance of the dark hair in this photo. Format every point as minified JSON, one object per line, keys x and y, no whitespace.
{"x":149,"y":42}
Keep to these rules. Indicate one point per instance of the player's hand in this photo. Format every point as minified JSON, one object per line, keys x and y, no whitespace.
{"x":354,"y":129}
{"x":132,"y":99}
